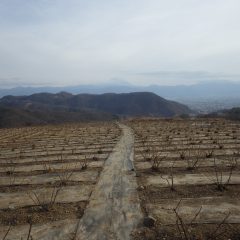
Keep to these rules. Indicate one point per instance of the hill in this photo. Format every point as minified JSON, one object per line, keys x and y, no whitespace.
{"x":18,"y":117}
{"x":230,"y":114}
{"x":64,"y":107}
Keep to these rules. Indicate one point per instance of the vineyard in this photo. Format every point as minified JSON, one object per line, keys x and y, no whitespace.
{"x":47,"y":176}
{"x":144,"y":179}
{"x":188,"y":178}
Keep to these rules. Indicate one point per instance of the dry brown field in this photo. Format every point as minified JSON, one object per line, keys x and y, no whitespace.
{"x":188,"y":178}
{"x":47,"y":175}
{"x":184,"y":175}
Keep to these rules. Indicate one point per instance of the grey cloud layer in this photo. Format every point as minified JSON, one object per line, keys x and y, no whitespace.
{"x":67,"y":42}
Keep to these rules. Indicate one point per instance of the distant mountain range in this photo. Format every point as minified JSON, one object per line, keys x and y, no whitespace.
{"x":205,"y":90}
{"x":64,"y":107}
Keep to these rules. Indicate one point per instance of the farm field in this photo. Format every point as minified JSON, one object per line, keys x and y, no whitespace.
{"x":139,"y":179}
{"x":188,"y":178}
{"x":47,"y":175}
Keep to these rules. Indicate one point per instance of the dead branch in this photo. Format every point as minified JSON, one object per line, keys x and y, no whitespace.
{"x":41,"y":201}
{"x":215,"y":234}
{"x":8,"y":230}
{"x":170,"y":182}
{"x":29,"y":232}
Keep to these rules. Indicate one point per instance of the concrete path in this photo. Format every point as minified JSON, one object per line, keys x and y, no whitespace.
{"x":114,"y":208}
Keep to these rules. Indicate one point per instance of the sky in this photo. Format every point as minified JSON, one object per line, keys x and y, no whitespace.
{"x":72,"y":42}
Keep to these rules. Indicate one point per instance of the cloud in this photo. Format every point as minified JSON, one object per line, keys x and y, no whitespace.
{"x":71,"y":42}
{"x":17,"y":82}
{"x":194,"y":76}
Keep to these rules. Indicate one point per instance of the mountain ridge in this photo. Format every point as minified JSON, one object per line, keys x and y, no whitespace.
{"x":208,"y":89}
{"x":136,"y":103}
{"x":85,"y":106}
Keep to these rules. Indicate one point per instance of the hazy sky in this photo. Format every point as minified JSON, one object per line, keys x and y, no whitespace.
{"x":68,"y":42}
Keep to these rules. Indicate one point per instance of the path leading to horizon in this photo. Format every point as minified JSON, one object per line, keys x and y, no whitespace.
{"x":114,"y":207}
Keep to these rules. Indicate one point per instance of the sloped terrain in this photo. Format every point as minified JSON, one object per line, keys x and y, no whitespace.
{"x":189,"y":178}
{"x":176,"y":179}
{"x":19,"y":117}
{"x":48,"y":175}
{"x":65,"y":107}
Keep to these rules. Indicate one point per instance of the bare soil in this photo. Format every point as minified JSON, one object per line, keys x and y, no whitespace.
{"x":41,"y":214}
{"x":37,"y":161}
{"x":29,"y":187}
{"x":180,"y":141}
{"x":197,"y":232}
{"x":154,"y":193}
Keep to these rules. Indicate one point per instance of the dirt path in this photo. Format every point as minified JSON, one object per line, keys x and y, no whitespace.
{"x":114,"y":208}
